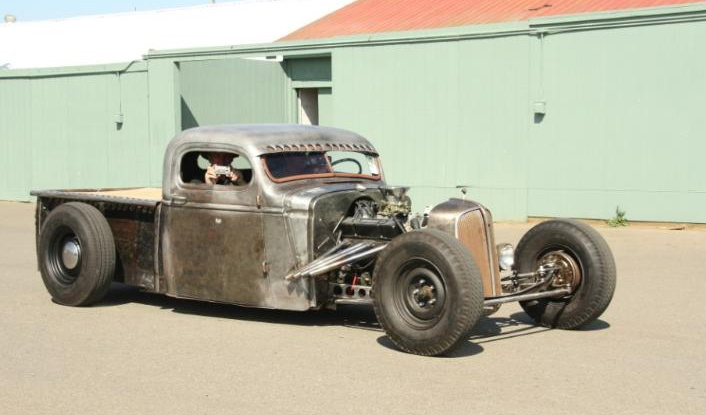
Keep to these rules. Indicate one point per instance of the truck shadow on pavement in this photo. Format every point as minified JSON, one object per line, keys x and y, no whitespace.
{"x":487,"y":330}
{"x":361,"y":317}
{"x":491,"y":329}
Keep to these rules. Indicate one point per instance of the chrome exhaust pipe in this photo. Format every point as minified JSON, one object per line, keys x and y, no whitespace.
{"x":335,"y":255}
{"x":334,"y":250}
{"x":324,"y":268}
{"x":326,"y":255}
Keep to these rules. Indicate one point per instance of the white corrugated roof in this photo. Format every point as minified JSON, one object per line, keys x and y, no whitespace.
{"x":127,"y":36}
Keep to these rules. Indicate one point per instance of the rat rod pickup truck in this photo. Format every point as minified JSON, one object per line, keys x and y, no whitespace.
{"x":309,"y":222}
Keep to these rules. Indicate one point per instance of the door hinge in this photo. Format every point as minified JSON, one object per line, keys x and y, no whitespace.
{"x":178,"y":200}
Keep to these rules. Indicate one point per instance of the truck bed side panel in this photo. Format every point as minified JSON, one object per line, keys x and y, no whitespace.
{"x":134,"y":231}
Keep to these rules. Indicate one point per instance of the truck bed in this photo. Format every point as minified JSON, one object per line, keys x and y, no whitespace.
{"x":144,"y":196}
{"x":147,"y":193}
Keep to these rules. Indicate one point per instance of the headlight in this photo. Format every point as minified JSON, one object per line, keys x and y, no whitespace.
{"x":506,"y":256}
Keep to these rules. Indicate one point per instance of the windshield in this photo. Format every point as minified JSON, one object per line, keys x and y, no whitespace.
{"x":300,"y":165}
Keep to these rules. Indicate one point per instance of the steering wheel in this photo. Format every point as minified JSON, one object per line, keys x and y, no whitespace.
{"x":350,"y":160}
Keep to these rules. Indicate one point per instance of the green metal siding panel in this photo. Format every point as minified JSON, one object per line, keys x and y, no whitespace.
{"x":489,"y":142}
{"x":15,"y":146}
{"x":326,"y":107}
{"x":230,"y":91}
{"x":624,"y":125}
{"x":129,"y":160}
{"x":164,"y":112}
{"x":60,"y":132}
{"x":77,"y":143}
{"x":67,"y":147}
{"x":442,"y":115}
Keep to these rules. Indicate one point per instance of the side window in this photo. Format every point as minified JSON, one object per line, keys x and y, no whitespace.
{"x":211,"y":168}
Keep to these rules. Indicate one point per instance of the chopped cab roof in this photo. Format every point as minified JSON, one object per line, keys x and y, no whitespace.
{"x":258,"y":139}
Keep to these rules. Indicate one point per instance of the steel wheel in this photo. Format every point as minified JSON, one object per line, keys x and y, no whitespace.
{"x":64,"y":256}
{"x":586,"y":266}
{"x":427,"y":292}
{"x":421,"y":294}
{"x":569,"y":271}
{"x":76,"y":254}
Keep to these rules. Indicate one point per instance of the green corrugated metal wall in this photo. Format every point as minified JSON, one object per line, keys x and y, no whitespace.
{"x":61,"y":131}
{"x":237,"y":90}
{"x":442,"y":114}
{"x":623,"y":123}
{"x":15,"y":138}
{"x":231,"y":91}
{"x":326,"y":107}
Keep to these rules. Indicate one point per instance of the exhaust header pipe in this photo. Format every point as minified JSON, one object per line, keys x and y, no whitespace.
{"x":324,"y":268}
{"x":334,"y":254}
{"x":336,"y":259}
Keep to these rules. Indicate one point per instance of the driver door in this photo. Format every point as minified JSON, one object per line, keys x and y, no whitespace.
{"x":212,"y":237}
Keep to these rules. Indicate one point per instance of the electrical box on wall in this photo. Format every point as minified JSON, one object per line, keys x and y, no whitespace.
{"x":540,"y":107}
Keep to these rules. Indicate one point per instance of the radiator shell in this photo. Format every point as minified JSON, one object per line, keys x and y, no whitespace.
{"x":472,"y":224}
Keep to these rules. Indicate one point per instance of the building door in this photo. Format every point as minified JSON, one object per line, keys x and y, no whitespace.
{"x":308,"y":106}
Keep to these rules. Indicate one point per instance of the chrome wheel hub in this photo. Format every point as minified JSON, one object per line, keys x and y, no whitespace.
{"x":70,"y":254}
{"x":425,"y":293}
{"x":568,"y":271}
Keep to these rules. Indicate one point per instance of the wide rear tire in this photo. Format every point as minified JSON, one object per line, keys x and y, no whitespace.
{"x":582,"y":248}
{"x":76,"y":254}
{"x":427,"y":292}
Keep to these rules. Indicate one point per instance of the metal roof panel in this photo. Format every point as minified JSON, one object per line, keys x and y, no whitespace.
{"x":376,"y":16}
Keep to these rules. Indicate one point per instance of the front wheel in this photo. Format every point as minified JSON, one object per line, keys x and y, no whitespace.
{"x":427,"y":292}
{"x":584,"y":264}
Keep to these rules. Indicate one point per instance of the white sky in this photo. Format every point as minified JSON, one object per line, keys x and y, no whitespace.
{"x":122,"y":37}
{"x":26,"y":10}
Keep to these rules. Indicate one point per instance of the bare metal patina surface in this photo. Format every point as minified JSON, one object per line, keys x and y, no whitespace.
{"x":231,"y":245}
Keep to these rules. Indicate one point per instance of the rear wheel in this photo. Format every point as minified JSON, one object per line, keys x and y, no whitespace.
{"x":76,"y":254}
{"x":584,"y":264}
{"x":427,"y":292}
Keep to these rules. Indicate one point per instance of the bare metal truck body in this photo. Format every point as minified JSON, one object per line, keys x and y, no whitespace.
{"x":313,"y":224}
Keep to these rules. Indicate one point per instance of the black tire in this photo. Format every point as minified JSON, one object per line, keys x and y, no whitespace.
{"x":419,"y":260}
{"x":81,"y":228}
{"x":589,"y":250}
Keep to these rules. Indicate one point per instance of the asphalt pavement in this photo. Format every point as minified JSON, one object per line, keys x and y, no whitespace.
{"x":144,"y":353}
